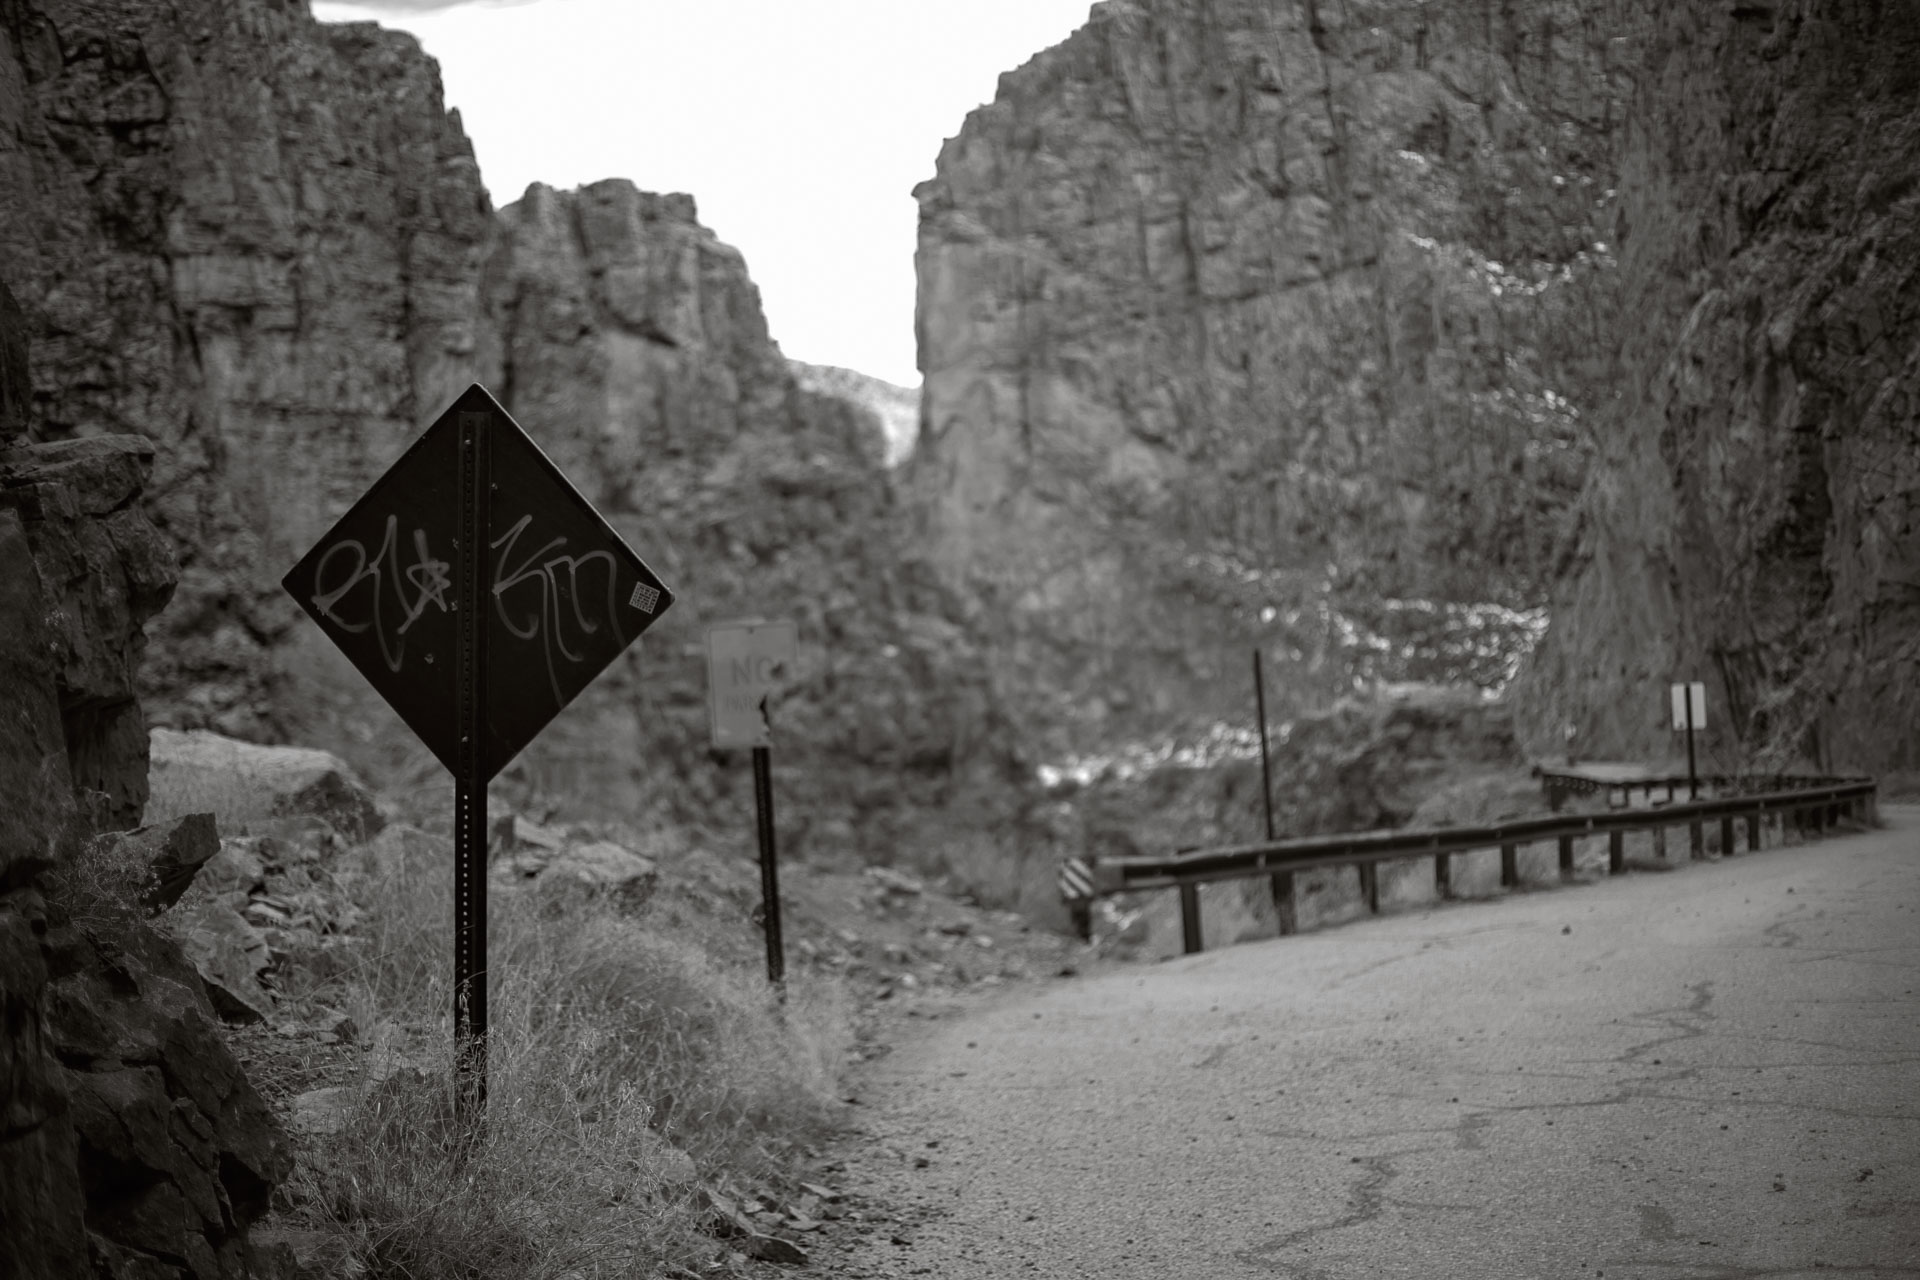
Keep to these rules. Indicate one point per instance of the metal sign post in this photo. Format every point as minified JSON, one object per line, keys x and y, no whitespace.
{"x":470,"y":778}
{"x":1690,"y":714}
{"x":474,"y":551}
{"x":769,"y":868}
{"x":746,"y":661}
{"x":1282,"y":883}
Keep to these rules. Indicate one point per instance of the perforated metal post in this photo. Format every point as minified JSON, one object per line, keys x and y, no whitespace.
{"x":470,"y":782}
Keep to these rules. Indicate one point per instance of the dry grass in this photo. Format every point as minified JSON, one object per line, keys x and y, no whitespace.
{"x":624,"y":1063}
{"x":104,"y":879}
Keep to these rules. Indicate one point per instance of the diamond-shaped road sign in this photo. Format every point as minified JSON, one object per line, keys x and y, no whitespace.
{"x":561,"y":593}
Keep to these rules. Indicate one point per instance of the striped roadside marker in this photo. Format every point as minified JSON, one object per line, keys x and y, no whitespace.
{"x":1076,"y":880}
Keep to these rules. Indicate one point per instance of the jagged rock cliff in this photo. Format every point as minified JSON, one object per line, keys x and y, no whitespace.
{"x":1232,"y":308}
{"x":1754,"y":521}
{"x":1238,"y":316}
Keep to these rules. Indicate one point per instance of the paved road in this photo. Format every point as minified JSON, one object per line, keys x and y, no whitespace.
{"x":1712,"y":1072}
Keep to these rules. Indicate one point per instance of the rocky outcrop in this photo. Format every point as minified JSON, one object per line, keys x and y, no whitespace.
{"x":103,"y":572}
{"x":1754,"y":519}
{"x":1229,"y":309}
{"x":177,"y":1153}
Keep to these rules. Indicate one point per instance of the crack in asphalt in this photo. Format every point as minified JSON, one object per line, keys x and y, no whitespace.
{"x":1367,"y":1194}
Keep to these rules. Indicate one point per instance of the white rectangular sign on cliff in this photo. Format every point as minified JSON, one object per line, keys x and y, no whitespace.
{"x":746,"y":661}
{"x":1682,"y":694}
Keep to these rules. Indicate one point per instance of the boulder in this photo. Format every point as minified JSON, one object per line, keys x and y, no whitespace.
{"x":248,"y":782}
{"x":600,"y":869}
{"x":229,"y":955}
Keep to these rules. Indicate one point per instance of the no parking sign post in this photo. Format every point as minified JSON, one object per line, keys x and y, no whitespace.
{"x":747,"y":660}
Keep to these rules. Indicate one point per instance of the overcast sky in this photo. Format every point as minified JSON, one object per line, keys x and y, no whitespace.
{"x":799,"y":126}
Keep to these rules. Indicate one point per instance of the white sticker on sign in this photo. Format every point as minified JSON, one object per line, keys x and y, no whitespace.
{"x":644,"y":598}
{"x":1681,"y":694}
{"x":746,"y":663}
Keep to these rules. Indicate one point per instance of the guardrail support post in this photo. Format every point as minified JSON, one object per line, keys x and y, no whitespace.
{"x":1509,"y":866}
{"x":1370,"y":885}
{"x":1616,"y":851}
{"x":1753,"y":832}
{"x":1726,"y":837}
{"x":1287,"y":920}
{"x":1696,"y":840}
{"x":1660,"y":843}
{"x":1443,"y":875}
{"x":1566,"y":857}
{"x":1190,"y":917}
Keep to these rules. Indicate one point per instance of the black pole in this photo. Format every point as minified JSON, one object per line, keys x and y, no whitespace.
{"x":1693,"y":778}
{"x":470,"y":781}
{"x":1266,"y":768}
{"x":769,"y":873}
{"x":1281,"y":885}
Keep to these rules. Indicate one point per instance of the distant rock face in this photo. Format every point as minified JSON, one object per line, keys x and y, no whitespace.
{"x":1228,"y":306}
{"x":1754,"y":520}
{"x":897,"y":407}
{"x":632,"y":346}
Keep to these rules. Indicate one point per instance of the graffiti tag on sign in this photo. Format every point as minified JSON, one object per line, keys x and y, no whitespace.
{"x":562,"y":595}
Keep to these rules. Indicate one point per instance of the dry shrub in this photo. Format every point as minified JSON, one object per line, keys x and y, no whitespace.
{"x":103,"y":878}
{"x":625,"y":1064}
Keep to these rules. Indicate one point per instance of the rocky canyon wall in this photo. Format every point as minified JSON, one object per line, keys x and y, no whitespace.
{"x":1282,"y":322}
{"x":1754,"y":520}
{"x":1231,"y":310}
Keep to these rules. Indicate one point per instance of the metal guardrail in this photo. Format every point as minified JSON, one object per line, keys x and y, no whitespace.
{"x":1812,"y":807}
{"x":1619,"y":791}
